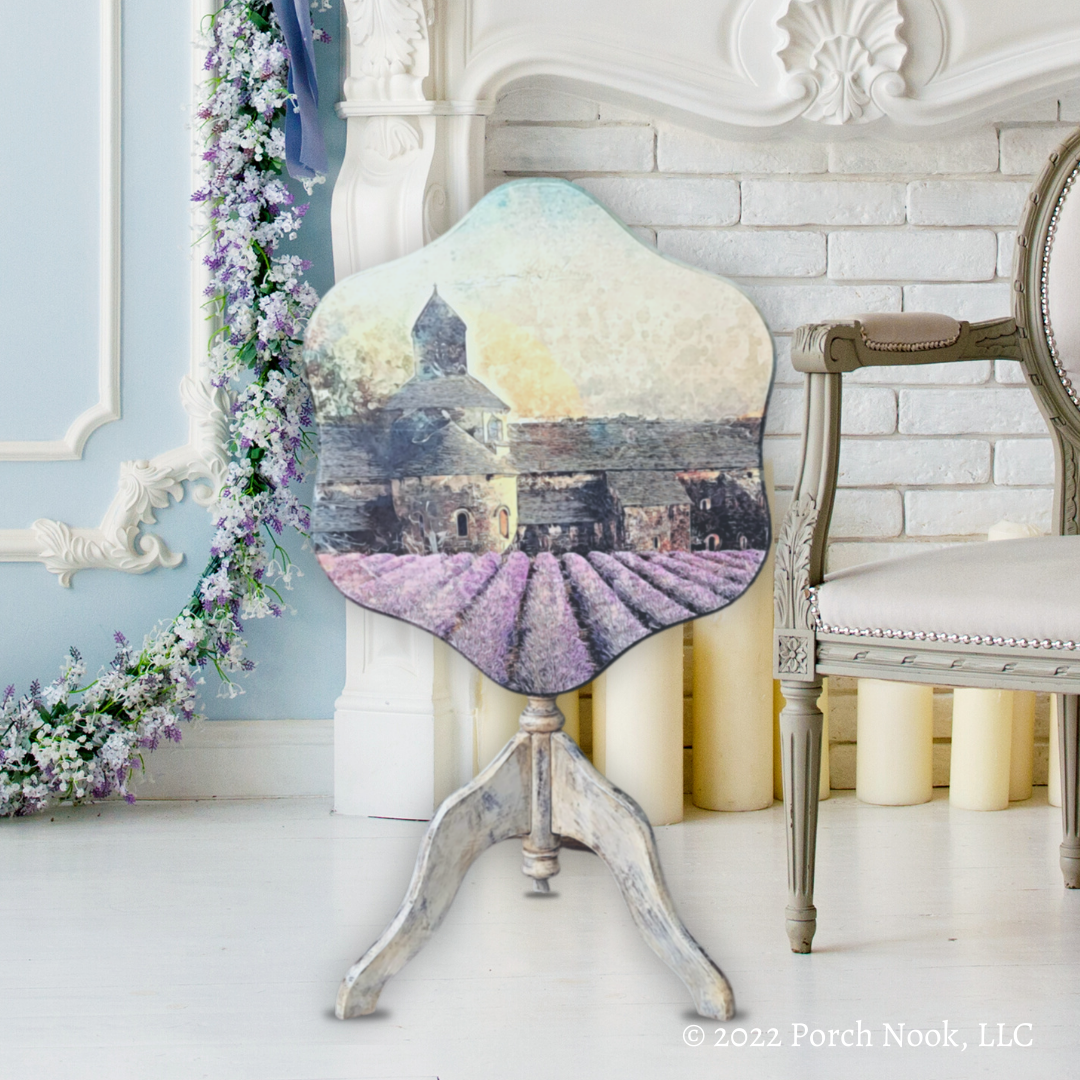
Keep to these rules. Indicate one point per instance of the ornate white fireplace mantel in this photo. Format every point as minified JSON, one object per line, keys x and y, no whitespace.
{"x":422,"y":75}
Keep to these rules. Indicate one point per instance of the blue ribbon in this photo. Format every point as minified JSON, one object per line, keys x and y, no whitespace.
{"x":305,"y":151}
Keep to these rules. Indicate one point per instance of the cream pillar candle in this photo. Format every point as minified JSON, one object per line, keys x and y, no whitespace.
{"x":733,"y":702}
{"x":497,"y":713}
{"x":825,"y":783}
{"x":568,"y":706}
{"x":894,"y":754}
{"x":638,"y":725}
{"x":984,"y":742}
{"x":1053,"y":775}
{"x":981,"y":749}
{"x":1023,"y":745}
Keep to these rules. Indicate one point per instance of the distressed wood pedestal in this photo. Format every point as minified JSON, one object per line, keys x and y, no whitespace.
{"x":540,"y":787}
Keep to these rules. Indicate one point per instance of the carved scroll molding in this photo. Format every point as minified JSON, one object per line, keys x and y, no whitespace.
{"x":793,"y":650}
{"x":836,"y":51}
{"x":119,"y":543}
{"x":107,"y":407}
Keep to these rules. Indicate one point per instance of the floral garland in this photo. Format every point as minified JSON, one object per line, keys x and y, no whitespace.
{"x":76,"y":742}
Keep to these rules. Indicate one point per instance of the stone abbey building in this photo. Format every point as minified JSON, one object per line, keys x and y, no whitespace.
{"x":441,"y":469}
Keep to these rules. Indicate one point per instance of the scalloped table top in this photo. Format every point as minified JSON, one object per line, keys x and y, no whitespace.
{"x":540,"y":440}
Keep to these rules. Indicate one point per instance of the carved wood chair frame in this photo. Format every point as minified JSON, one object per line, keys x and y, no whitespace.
{"x":803,"y":653}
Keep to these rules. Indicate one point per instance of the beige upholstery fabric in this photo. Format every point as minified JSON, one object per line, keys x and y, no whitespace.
{"x":1027,"y":590}
{"x":1063,"y":285}
{"x":908,"y":330}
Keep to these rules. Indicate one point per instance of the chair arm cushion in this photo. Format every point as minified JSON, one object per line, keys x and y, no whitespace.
{"x":894,"y":338}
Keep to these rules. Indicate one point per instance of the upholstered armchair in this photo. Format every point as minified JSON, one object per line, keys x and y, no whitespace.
{"x":931,"y":618}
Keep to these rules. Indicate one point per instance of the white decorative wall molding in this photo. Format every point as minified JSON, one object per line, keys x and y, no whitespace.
{"x":738,"y":63}
{"x":836,"y":52}
{"x":146,"y":485}
{"x":107,"y":407}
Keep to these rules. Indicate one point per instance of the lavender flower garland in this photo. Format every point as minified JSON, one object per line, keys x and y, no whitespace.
{"x":72,"y":742}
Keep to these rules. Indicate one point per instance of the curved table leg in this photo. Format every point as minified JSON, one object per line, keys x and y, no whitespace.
{"x":494,"y":807}
{"x":588,"y":807}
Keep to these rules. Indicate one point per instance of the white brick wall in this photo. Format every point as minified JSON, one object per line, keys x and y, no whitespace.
{"x":815,"y":230}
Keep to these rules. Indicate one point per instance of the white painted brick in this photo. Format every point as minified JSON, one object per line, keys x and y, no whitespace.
{"x":975,"y":153}
{"x":859,"y":512}
{"x":784,"y":307}
{"x":783,"y":455}
{"x":866,"y":411}
{"x":971,"y":302}
{"x":1009,"y":372}
{"x":891,"y":462}
{"x":922,"y":254}
{"x":1046,"y":109}
{"x":1024,"y":150}
{"x":667,"y":200}
{"x":802,"y":202}
{"x":541,"y":103}
{"x":681,"y":150}
{"x":986,"y":411}
{"x":1023,"y":462}
{"x":843,"y":555}
{"x":960,"y":373}
{"x":966,"y":202}
{"x":972,"y":512}
{"x":771,"y":253}
{"x":1006,"y":249}
{"x":611,"y":113}
{"x":1069,"y":107}
{"x":529,"y":148}
{"x":785,"y":373}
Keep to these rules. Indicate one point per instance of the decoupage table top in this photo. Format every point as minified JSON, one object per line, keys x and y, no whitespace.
{"x":539,"y":439}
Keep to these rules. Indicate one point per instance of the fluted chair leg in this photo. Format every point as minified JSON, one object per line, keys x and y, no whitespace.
{"x":800,"y":743}
{"x":1069,"y":745}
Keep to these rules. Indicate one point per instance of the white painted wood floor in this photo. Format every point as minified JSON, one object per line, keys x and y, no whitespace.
{"x":206,"y":940}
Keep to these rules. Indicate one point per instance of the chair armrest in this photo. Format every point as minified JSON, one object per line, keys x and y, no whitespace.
{"x":824,"y":351}
{"x":900,"y":338}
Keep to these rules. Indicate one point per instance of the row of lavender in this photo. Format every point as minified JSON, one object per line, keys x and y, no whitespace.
{"x":544,"y":625}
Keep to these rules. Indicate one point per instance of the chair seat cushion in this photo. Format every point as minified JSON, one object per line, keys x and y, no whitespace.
{"x":1009,"y":592}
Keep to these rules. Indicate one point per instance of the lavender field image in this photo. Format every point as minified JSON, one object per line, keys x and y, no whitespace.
{"x":539,"y":440}
{"x":547,"y":624}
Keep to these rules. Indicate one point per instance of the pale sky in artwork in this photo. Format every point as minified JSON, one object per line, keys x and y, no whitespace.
{"x":568,"y":315}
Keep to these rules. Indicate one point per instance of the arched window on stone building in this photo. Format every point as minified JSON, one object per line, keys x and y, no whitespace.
{"x":462,"y":519}
{"x":712,"y":542}
{"x":504,"y":523}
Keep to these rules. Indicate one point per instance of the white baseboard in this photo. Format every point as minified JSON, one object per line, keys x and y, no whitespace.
{"x":242,"y":759}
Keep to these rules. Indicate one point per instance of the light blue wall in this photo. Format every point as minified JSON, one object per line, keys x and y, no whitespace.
{"x":47,"y":363}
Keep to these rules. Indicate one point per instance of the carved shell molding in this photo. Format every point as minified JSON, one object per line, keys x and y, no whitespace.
{"x":835,"y":53}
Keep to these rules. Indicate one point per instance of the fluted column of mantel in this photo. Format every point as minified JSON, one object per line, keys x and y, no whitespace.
{"x":413,"y":164}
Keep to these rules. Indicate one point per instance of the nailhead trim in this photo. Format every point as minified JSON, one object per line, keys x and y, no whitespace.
{"x":1048,"y":330}
{"x":931,"y":635}
{"x":902,"y":346}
